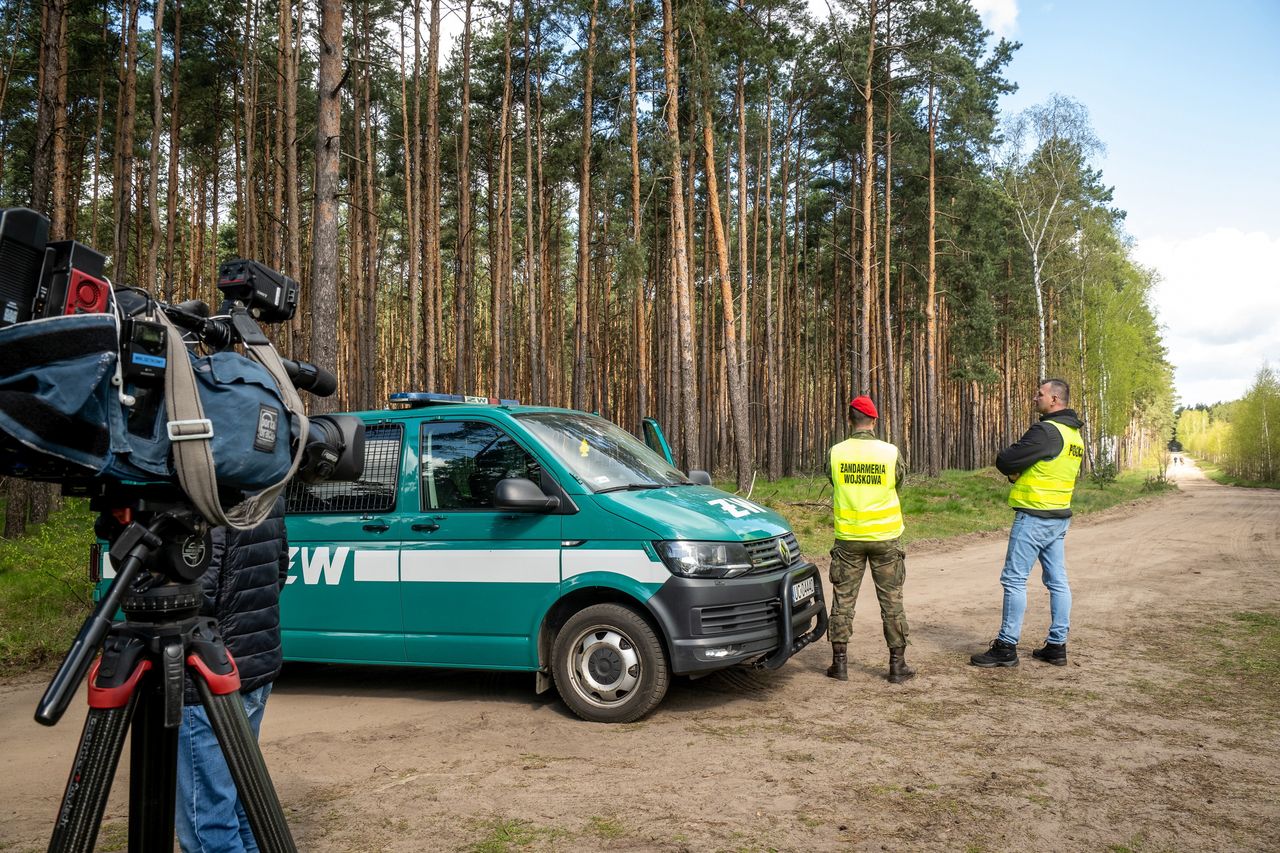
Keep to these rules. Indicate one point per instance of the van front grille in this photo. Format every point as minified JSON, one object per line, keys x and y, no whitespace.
{"x":766,"y":556}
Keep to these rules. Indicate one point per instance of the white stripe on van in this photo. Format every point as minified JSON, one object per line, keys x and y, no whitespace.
{"x":377,"y":566}
{"x":632,"y":562}
{"x":535,"y":565}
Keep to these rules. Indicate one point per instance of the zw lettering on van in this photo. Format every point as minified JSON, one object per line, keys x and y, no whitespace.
{"x":736,"y":507}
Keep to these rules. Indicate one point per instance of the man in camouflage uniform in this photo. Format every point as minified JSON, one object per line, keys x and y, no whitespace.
{"x":866,"y":474}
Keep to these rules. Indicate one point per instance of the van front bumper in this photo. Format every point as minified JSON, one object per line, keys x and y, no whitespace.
{"x":715,"y":623}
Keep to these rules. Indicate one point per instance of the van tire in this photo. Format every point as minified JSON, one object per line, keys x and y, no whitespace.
{"x":609,"y":665}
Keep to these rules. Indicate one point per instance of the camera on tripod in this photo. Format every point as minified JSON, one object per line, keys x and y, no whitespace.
{"x":103,"y":390}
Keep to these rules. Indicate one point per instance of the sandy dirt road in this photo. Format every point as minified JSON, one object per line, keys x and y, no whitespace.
{"x":1155,"y":737}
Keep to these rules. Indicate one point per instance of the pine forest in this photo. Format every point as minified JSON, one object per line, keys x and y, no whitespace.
{"x":731,"y":215}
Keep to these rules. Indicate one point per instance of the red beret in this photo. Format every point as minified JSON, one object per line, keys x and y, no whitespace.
{"x":864,"y":405}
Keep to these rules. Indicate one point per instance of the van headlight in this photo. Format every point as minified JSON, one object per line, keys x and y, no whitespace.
{"x":704,"y":559}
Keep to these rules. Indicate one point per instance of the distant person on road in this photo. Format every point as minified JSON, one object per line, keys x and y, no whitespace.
{"x":242,"y":592}
{"x":867,"y":474}
{"x":1043,"y":466}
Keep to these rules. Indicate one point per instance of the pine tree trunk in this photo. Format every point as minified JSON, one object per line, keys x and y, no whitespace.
{"x":62,"y":208}
{"x":122,"y":159}
{"x":412,"y":150}
{"x":933,"y":437}
{"x":679,"y":238}
{"x":434,"y":294}
{"x":171,"y":200}
{"x":770,"y":334}
{"x":581,"y":321}
{"x":153,"y":180}
{"x":537,"y":365}
{"x":466,"y":250}
{"x":737,"y":394}
{"x":324,"y":243}
{"x":868,"y":213}
{"x":637,"y":276}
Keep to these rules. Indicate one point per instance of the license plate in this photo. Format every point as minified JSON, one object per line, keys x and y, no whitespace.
{"x":802,"y":590}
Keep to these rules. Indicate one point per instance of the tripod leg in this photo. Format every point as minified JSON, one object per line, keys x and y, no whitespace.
{"x":153,"y":760}
{"x":94,"y":767}
{"x":244,"y":759}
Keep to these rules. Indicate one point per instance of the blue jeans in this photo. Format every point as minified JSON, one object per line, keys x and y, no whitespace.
{"x":209,"y":816}
{"x":1033,"y":538}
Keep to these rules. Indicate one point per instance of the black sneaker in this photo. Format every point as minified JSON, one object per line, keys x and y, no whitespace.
{"x":1054,"y":653}
{"x":1000,"y":654}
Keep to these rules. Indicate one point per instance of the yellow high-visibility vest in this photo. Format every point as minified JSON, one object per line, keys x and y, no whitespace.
{"x":863,"y":472}
{"x":1048,"y":484}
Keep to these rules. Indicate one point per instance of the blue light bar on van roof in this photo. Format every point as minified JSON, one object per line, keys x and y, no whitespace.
{"x":415,"y":399}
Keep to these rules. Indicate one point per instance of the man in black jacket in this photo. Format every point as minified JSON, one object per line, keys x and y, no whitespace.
{"x":242,"y":592}
{"x":1043,"y":466}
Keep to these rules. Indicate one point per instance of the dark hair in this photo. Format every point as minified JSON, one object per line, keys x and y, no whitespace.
{"x":1060,"y":389}
{"x":860,"y":418}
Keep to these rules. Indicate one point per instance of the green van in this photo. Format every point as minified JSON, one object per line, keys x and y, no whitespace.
{"x":484,"y":534}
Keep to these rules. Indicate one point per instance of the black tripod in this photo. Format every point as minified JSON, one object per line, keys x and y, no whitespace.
{"x":139,"y":680}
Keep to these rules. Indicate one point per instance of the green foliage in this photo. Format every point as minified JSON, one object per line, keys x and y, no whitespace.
{"x":1104,"y":472}
{"x":45,"y":591}
{"x":1242,"y":437}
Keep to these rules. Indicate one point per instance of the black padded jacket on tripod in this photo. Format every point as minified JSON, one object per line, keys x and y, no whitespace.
{"x":242,"y":592}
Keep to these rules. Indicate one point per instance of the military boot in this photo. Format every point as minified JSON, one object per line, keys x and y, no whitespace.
{"x":839,"y":668}
{"x":898,"y":669}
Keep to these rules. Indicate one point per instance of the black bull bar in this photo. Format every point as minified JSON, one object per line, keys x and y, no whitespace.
{"x":788,"y":643}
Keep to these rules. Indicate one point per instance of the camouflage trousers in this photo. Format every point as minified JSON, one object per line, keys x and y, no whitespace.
{"x":849,"y":559}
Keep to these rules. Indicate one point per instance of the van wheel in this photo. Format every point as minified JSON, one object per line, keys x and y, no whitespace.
{"x":609,"y":665}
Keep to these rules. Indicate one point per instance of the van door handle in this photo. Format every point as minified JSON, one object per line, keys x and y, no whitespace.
{"x":425,"y":526}
{"x":377,"y":527}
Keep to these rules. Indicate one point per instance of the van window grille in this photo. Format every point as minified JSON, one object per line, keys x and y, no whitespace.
{"x":375,"y":491}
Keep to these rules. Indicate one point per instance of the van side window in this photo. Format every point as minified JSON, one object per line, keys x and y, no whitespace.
{"x":375,"y":491}
{"x":462,"y":462}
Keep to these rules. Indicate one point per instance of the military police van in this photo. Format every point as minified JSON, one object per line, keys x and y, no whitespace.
{"x":485,"y":534}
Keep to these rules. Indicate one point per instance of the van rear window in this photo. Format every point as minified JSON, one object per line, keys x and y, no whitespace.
{"x":375,"y":491}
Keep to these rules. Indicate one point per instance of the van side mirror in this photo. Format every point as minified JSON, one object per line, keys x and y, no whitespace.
{"x":702,"y":478}
{"x":521,"y":495}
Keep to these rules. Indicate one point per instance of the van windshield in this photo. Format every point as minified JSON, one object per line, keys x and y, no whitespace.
{"x":602,"y":455}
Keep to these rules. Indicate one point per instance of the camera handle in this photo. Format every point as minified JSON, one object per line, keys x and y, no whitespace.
{"x":129,"y":552}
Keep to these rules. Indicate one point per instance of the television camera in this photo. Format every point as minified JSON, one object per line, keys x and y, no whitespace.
{"x":102,"y":391}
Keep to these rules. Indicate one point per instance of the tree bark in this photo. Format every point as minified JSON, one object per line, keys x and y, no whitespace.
{"x":123,"y":156}
{"x":153,"y":180}
{"x":679,"y":237}
{"x":324,"y":243}
{"x":637,"y":275}
{"x":466,"y":247}
{"x":737,"y":394}
{"x":581,"y":309}
{"x":933,"y":439}
{"x":171,"y":200}
{"x":868,"y":185}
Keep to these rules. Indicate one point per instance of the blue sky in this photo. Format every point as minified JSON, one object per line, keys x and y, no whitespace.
{"x":1183,"y":95}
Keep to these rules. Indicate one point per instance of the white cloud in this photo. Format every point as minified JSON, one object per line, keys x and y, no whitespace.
{"x":999,"y":16}
{"x":1219,"y":300}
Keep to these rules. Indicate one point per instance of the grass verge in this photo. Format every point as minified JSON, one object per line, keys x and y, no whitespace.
{"x":44,"y":589}
{"x":951,"y":504}
{"x":1218,"y":475}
